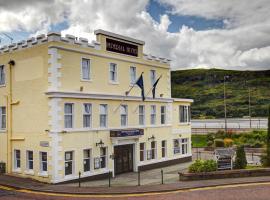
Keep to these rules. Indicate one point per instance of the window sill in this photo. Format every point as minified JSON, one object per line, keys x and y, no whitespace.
{"x":86,"y":80}
{"x":29,"y":172}
{"x":3,"y":85}
{"x":114,"y":82}
{"x":3,"y":130}
{"x":18,"y":170}
{"x":43,"y":174}
{"x":184,"y":123}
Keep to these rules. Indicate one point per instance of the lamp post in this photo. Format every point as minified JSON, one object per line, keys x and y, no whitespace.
{"x":225,"y":106}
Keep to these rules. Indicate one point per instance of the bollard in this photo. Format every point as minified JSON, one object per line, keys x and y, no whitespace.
{"x":162,"y":180}
{"x":79,"y":179}
{"x":139,"y":178}
{"x":110,"y":178}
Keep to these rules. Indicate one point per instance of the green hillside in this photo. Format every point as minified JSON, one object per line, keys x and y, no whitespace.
{"x":205,"y":86}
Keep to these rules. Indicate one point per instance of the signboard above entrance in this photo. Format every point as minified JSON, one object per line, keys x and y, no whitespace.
{"x":126,"y":132}
{"x":121,"y":47}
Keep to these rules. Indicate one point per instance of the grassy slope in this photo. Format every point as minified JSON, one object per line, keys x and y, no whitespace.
{"x":206,"y":88}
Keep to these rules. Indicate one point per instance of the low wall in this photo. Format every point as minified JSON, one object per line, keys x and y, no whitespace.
{"x":224,"y":174}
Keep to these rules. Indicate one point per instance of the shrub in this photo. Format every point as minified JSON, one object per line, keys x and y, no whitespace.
{"x":210,"y":143}
{"x":203,"y":166}
{"x":219,"y":143}
{"x":228,"y":142}
{"x":265,"y":159}
{"x":210,"y":137}
{"x":240,"y":160}
{"x":220,"y":134}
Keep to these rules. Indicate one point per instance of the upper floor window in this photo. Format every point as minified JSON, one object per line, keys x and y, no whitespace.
{"x":184,"y":114}
{"x":163,"y":114}
{"x":87,"y":115}
{"x":2,"y":75}
{"x":113,"y":72}
{"x":68,"y":115}
{"x":153,"y":114}
{"x":124,"y":115}
{"x":103,"y":115}
{"x":3,"y":117}
{"x":153,"y":76}
{"x":86,"y":69}
{"x":141,"y":115}
{"x":132,"y":72}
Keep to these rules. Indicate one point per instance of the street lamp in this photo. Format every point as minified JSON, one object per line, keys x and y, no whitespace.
{"x":225,"y":106}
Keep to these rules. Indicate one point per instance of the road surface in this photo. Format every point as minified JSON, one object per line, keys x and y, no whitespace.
{"x":252,"y":191}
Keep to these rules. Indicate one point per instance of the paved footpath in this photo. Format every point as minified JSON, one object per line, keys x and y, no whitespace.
{"x":31,"y":185}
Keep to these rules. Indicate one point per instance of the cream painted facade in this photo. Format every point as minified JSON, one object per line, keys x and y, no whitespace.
{"x":47,"y":73}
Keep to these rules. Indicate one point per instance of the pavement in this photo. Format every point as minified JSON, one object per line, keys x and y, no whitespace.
{"x":26,"y":184}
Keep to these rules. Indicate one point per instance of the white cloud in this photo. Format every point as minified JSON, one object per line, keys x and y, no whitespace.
{"x":244,"y":43}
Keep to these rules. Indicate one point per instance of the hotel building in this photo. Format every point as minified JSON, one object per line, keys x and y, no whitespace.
{"x":64,"y":109}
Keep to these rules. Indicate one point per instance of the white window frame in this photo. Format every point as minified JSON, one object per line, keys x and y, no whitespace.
{"x":103,"y":114}
{"x":89,"y":72}
{"x":153,"y":114}
{"x":104,"y":156}
{"x":164,"y":148}
{"x":16,"y":159}
{"x":87,"y":159}
{"x":69,"y":114}
{"x":85,"y":114}
{"x":28,"y":160}
{"x":43,"y":162}
{"x":115,"y":73}
{"x":184,"y":146}
{"x":153,"y":150}
{"x":2,"y":75}
{"x":184,"y":114}
{"x":177,"y":149}
{"x":133,"y":77}
{"x":3,"y":118}
{"x":153,"y":76}
{"x":124,"y":115}
{"x":142,"y":150}
{"x":163,"y":114}
{"x":67,"y":161}
{"x":141,"y":115}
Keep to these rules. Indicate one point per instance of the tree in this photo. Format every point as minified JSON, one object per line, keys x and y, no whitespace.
{"x":240,"y":160}
{"x":265,"y":159}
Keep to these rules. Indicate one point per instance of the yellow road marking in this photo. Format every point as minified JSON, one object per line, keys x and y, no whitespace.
{"x":131,"y":195}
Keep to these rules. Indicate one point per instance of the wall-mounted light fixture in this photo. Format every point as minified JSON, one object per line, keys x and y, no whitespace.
{"x":152,"y":138}
{"x":100,"y":143}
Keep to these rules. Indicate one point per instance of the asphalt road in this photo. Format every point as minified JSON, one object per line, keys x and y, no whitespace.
{"x":254,"y":191}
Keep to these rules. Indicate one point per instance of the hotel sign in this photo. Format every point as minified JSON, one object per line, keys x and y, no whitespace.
{"x":126,"y":132}
{"x":121,"y":47}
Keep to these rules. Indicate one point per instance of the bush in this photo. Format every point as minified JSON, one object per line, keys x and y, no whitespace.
{"x":203,"y":166}
{"x":210,"y":137}
{"x":228,"y":142}
{"x":219,"y":143}
{"x":240,"y":160}
{"x":210,"y":143}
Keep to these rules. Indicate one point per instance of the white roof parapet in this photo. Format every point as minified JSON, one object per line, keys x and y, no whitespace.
{"x":155,"y":58}
{"x":129,"y":39}
{"x":183,"y":100}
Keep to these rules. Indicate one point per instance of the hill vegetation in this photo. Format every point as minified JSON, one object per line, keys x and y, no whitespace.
{"x":206,"y":86}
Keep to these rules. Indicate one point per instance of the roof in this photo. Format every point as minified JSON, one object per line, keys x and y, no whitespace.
{"x":183,"y":100}
{"x":129,"y":39}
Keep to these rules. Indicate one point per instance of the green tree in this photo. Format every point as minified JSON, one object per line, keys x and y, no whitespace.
{"x":265,"y":159}
{"x":240,"y":160}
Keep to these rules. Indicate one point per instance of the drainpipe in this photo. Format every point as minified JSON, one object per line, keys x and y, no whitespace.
{"x":9,"y":121}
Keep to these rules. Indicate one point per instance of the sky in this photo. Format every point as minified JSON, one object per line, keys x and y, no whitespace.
{"x":228,"y":34}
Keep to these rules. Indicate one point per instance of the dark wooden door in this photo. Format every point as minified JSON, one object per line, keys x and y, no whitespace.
{"x":123,"y":161}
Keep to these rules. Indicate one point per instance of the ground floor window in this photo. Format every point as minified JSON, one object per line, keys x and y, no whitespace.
{"x":86,"y":160}
{"x":103,"y":157}
{"x":180,"y":146}
{"x":152,"y":151}
{"x":142,"y":151}
{"x":163,"y":148}
{"x":29,"y":160}
{"x":17,"y":159}
{"x":68,"y":163}
{"x":43,"y":162}
{"x":184,"y":146}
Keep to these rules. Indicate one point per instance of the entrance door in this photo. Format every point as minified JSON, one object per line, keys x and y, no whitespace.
{"x":123,"y":161}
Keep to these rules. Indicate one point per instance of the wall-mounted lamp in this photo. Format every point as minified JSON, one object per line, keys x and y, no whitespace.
{"x":63,"y":131}
{"x":47,"y":130}
{"x":161,"y":95}
{"x":11,"y":62}
{"x":100,"y":143}
{"x":180,"y":135}
{"x":152,"y":138}
{"x":112,"y":156}
{"x":81,"y":88}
